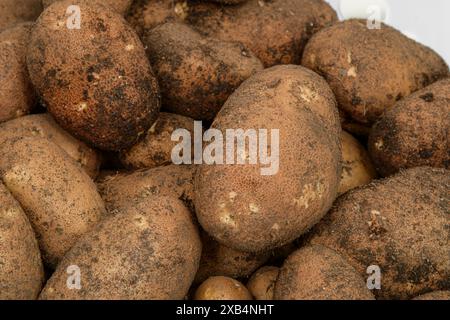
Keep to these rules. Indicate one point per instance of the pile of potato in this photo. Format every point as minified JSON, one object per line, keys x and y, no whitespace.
{"x":93,"y":207}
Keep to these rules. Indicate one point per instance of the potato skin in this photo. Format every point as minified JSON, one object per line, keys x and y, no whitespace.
{"x":150,"y":251}
{"x":262,"y":283}
{"x":435,"y":295}
{"x":370,"y":69}
{"x":319,"y":273}
{"x":17,"y":95}
{"x":251,"y":212}
{"x":21,"y":270}
{"x":196,"y":74}
{"x":13,"y":12}
{"x":415,"y":132}
{"x":357,"y":168}
{"x":222,"y":288}
{"x":121,"y":6}
{"x":61,"y":201}
{"x":400,"y":224}
{"x":96,"y":81}
{"x":155,"y":148}
{"x":44,"y":126}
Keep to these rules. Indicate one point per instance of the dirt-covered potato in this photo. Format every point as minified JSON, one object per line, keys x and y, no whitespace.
{"x":357,"y":168}
{"x":13,"y":12}
{"x":149,"y":251}
{"x":155,"y":148}
{"x":17,"y":95}
{"x":21,"y":270}
{"x":43,"y":125}
{"x":415,"y":132}
{"x":196,"y":74}
{"x":262,"y":283}
{"x":370,"y":69}
{"x":400,"y":224}
{"x":96,"y":80}
{"x":435,"y":295}
{"x":60,"y":199}
{"x":121,"y":6}
{"x":257,"y":207}
{"x":319,"y":273}
{"x":222,"y":288}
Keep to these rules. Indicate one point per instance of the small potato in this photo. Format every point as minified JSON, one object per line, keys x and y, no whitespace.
{"x":149,"y":251}
{"x":370,"y":69}
{"x":222,"y":288}
{"x":435,"y":295}
{"x":319,"y":273}
{"x":357,"y":168}
{"x":43,"y":125}
{"x":13,"y":12}
{"x":21,"y":270}
{"x":415,"y":132}
{"x":96,"y":81}
{"x":121,"y":6}
{"x":196,"y":74}
{"x":400,"y":224}
{"x":262,"y":283}
{"x":17,"y":95}
{"x":61,"y":201}
{"x":155,"y":148}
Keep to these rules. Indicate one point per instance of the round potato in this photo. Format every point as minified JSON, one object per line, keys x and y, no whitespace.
{"x":222,"y":288}
{"x":21,"y":270}
{"x":262,"y":283}
{"x":415,"y":132}
{"x":61,"y":201}
{"x":196,"y":74}
{"x":17,"y":95}
{"x":95,"y":80}
{"x":121,"y":6}
{"x":13,"y":12}
{"x":435,"y":295}
{"x":149,"y":251}
{"x":357,"y":168}
{"x":258,"y":207}
{"x":319,"y":273}
{"x":370,"y":69}
{"x":399,"y":224}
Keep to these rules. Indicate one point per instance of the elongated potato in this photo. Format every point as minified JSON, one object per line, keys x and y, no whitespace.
{"x":262,"y":283}
{"x":61,"y":201}
{"x":149,"y":251}
{"x":399,"y":224}
{"x":21,"y":271}
{"x":222,"y":288}
{"x":370,"y":69}
{"x":257,"y":207}
{"x":13,"y":12}
{"x":96,"y":79}
{"x":43,"y":125}
{"x":121,"y":6}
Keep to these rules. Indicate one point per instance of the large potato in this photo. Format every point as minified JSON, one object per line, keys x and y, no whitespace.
{"x":61,"y":201}
{"x":196,"y":74}
{"x":43,"y":125}
{"x":17,"y":95}
{"x":121,"y":6}
{"x":13,"y":12}
{"x":400,"y":224}
{"x":370,"y":69}
{"x":319,"y":273}
{"x":21,"y":271}
{"x":149,"y":251}
{"x":415,"y":132}
{"x":250,"y":210}
{"x":96,"y":80}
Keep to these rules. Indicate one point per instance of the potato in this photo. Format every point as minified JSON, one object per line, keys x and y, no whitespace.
{"x":149,"y":251}
{"x":155,"y":149}
{"x":121,"y":6}
{"x":13,"y":12}
{"x":222,"y":288}
{"x":319,"y":273}
{"x":21,"y":270}
{"x":61,"y":201}
{"x":399,"y":224}
{"x":357,"y":168}
{"x":96,"y":81}
{"x":370,"y":69}
{"x":17,"y":95}
{"x":353,"y":127}
{"x":415,"y":132}
{"x":252,"y":210}
{"x":43,"y":125}
{"x":196,"y":74}
{"x":435,"y":295}
{"x":262,"y":283}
